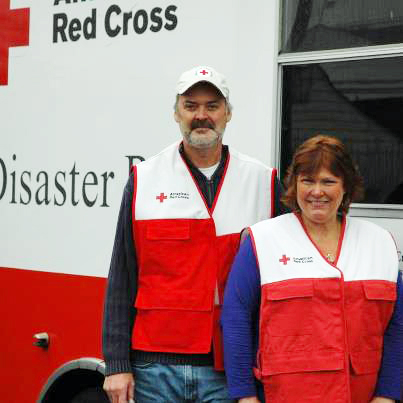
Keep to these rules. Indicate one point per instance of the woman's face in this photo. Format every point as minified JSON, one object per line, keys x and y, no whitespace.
{"x":319,"y":196}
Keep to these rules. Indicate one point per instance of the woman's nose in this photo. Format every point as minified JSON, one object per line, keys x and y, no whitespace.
{"x":317,"y":190}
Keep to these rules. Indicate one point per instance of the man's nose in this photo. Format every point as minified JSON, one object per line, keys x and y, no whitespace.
{"x":201,"y":113}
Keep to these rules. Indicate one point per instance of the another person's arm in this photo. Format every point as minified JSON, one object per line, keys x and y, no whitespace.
{"x":240,"y":323}
{"x":119,"y":312}
{"x":390,"y":378}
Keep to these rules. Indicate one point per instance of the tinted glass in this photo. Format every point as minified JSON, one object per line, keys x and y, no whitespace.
{"x":332,"y":24}
{"x":360,"y":102}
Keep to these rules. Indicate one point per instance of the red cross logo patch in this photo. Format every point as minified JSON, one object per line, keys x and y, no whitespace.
{"x":14,"y":31}
{"x":161,"y":197}
{"x":284,"y":260}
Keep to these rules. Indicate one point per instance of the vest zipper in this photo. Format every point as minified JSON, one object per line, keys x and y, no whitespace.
{"x":210,"y":192}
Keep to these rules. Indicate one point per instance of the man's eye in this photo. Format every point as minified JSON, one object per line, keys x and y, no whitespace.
{"x":190,"y":107}
{"x":212,"y":107}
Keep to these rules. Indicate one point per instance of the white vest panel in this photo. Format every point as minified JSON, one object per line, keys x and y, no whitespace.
{"x":167,"y":190}
{"x":284,"y":251}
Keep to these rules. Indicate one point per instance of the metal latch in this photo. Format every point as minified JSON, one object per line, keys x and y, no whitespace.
{"x":42,"y":340}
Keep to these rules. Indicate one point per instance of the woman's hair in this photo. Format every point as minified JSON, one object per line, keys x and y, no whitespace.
{"x":323,"y":152}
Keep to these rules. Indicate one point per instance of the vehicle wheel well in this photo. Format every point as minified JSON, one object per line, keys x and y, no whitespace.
{"x":71,"y":383}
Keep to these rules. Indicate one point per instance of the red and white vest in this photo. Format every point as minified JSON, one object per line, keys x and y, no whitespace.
{"x":184,"y":249}
{"x":321,"y":324}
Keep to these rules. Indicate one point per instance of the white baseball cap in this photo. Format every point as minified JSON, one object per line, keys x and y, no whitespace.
{"x":200,"y":74}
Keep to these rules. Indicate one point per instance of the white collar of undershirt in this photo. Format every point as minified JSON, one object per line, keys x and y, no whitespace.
{"x":209,"y":171}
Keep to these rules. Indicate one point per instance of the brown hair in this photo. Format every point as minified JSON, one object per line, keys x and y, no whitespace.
{"x":327,"y":152}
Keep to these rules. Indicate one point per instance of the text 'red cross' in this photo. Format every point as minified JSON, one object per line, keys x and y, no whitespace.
{"x":14,"y":31}
{"x":161,"y":197}
{"x":204,"y":72}
{"x":284,"y":259}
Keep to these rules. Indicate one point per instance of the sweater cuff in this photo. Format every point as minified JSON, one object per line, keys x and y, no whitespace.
{"x":117,"y":367}
{"x":242,"y":391}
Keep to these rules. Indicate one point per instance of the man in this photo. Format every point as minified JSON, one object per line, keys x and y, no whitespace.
{"x":177,"y":233}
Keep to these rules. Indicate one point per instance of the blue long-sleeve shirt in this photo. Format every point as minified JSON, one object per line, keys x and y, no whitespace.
{"x":240,"y":318}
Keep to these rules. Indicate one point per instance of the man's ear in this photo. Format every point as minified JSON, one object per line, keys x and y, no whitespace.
{"x":229,"y":115}
{"x":176,"y":117}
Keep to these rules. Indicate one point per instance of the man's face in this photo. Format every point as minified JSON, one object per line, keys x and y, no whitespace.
{"x":202,"y":114}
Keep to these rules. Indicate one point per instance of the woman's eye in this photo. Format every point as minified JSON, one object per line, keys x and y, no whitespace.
{"x":306,"y":180}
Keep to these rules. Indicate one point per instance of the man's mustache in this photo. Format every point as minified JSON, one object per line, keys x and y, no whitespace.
{"x":201,"y":124}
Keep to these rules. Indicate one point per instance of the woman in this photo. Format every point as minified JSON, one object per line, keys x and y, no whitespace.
{"x":319,"y":293}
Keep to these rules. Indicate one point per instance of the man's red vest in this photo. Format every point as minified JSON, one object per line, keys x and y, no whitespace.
{"x":184,"y":249}
{"x":322,"y":324}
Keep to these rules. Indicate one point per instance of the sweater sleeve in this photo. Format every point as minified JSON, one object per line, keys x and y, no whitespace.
{"x":121,"y":290}
{"x":240,"y":322}
{"x":390,"y":376}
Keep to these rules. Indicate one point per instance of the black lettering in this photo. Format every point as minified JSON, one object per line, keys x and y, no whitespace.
{"x":90,"y":25}
{"x":73,"y":174}
{"x":136,"y":23}
{"x":126,"y":19}
{"x":4,"y":185}
{"x":155,"y":18}
{"x":13,"y":184}
{"x":74,"y":26}
{"x":45,"y":186}
{"x":56,"y":3}
{"x":131,"y":159}
{"x":106,"y":176}
{"x":60,"y":188}
{"x":112,"y":32}
{"x":25,"y":187}
{"x":171,"y":17}
{"x":59,"y":29}
{"x":87,"y":201}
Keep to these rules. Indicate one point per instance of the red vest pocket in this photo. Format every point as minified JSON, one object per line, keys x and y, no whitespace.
{"x":287,"y":308}
{"x":159,"y":298}
{"x":302,"y":362}
{"x":365,"y":362}
{"x":380,"y":290}
{"x":168,"y":230}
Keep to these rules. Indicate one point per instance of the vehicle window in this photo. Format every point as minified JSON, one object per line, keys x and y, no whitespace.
{"x":309,"y":25}
{"x":360,"y":102}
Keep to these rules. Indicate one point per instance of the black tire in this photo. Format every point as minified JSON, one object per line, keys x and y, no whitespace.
{"x":91,"y":395}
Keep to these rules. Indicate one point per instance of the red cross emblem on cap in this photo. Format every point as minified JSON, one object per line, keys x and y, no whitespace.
{"x":284,"y":259}
{"x":204,"y":72}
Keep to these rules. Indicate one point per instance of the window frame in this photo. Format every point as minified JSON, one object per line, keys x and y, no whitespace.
{"x":328,"y":56}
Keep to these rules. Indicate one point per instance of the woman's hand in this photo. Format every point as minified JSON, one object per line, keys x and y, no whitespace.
{"x":252,"y":399}
{"x":382,"y":400}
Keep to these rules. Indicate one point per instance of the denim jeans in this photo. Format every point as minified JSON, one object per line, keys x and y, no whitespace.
{"x":162,"y":383}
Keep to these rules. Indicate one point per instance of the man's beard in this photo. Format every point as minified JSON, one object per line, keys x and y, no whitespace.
{"x":203,"y":140}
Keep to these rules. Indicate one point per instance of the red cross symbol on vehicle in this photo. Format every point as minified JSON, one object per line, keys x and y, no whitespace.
{"x":14,"y":31}
{"x":204,"y":72}
{"x":161,"y":197}
{"x":284,"y":259}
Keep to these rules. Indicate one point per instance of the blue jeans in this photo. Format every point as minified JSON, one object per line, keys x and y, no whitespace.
{"x":164,"y":383}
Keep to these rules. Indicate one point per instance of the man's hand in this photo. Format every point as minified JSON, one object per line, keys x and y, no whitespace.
{"x":120,"y":387}
{"x":382,"y":400}
{"x":252,"y":399}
